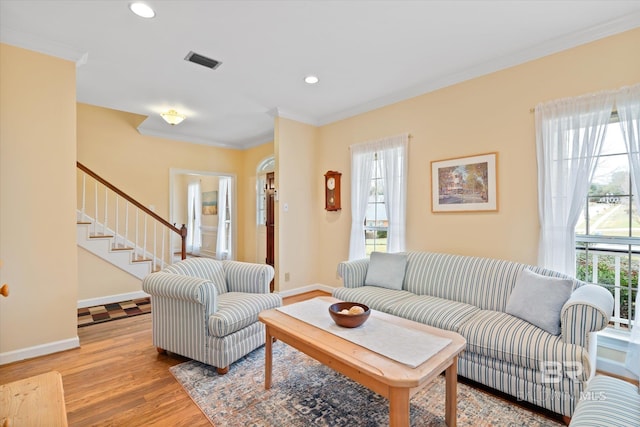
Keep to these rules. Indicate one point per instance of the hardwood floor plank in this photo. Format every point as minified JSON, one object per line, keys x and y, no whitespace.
{"x":117,"y":378}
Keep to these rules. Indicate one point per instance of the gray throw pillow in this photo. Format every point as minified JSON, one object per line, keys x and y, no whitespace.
{"x":539,"y":299}
{"x":386,"y":270}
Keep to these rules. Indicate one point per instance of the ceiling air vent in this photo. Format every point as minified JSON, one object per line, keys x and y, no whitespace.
{"x":202,"y":60}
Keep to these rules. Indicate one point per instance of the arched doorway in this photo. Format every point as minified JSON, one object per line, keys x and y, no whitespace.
{"x":265,"y":212}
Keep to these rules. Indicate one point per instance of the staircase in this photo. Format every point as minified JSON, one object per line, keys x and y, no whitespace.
{"x":103,"y":246}
{"x":120,"y":230}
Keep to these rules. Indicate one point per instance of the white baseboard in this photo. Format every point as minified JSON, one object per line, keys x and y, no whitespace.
{"x":308,"y":288}
{"x":109,"y":299}
{"x":39,"y":350}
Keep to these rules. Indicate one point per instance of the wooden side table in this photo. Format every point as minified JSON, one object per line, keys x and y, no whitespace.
{"x":34,"y":401}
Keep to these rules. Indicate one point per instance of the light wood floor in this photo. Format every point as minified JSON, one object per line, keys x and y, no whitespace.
{"x":117,"y":378}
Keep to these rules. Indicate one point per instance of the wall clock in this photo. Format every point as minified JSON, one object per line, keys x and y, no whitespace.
{"x":332,"y":191}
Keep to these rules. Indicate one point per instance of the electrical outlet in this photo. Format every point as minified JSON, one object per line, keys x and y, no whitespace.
{"x":286,"y":277}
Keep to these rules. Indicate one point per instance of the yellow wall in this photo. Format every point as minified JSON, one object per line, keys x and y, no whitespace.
{"x":99,"y":279}
{"x":486,"y":114}
{"x":247,"y":192}
{"x":298,"y":206}
{"x":37,"y":203}
{"x":110,"y":145}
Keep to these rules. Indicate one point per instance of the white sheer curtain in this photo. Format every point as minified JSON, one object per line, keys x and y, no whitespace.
{"x":393,"y":153}
{"x":223,"y":245}
{"x":394,"y":172}
{"x":569,"y":134}
{"x":361,"y":168}
{"x":628,"y":105}
{"x":194,"y":218}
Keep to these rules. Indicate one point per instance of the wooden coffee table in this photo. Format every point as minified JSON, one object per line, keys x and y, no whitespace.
{"x":393,"y":380}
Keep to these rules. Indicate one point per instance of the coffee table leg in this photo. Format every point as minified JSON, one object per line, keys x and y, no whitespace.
{"x":268,"y":359}
{"x":451,"y":397}
{"x":398,"y":407}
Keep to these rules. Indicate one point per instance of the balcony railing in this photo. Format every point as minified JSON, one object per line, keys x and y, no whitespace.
{"x":613,"y":263}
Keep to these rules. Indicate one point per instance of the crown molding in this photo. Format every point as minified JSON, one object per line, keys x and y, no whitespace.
{"x":292,"y":115}
{"x":146,"y":128}
{"x":39,"y":44}
{"x":559,"y":44}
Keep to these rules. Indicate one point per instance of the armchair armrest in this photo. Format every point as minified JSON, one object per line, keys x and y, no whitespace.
{"x":354,"y":272}
{"x":248,"y":277}
{"x":187,"y":288}
{"x":588,"y":310}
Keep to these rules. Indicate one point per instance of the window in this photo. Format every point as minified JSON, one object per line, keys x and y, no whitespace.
{"x":588,"y":170}
{"x":378,"y":196}
{"x":261,"y":202}
{"x":608,"y":230}
{"x":376,"y":223}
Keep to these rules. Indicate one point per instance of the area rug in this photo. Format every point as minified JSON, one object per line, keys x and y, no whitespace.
{"x":307,"y":393}
{"x":119,"y":310}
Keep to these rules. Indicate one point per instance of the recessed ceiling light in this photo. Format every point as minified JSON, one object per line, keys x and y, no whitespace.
{"x":143,"y":10}
{"x":311,"y":80}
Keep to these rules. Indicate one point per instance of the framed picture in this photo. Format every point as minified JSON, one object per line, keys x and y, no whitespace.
{"x":210,"y":203}
{"x":464,"y":184}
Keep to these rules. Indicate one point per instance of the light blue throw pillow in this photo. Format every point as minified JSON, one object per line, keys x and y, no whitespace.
{"x":539,"y":299}
{"x":386,"y":270}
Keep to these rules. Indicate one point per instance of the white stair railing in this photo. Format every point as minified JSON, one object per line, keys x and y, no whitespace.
{"x":107,"y":207}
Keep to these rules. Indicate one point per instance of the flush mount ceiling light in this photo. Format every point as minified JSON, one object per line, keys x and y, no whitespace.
{"x":311,"y":80}
{"x":173,"y":117}
{"x":142,"y":9}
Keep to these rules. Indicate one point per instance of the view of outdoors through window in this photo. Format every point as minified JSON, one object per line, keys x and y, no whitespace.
{"x":608,"y":232}
{"x":376,"y":223}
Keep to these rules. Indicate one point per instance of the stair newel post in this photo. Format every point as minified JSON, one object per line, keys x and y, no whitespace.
{"x":183,"y":235}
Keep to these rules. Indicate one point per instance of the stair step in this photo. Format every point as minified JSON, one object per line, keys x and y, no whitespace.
{"x":84,"y":223}
{"x":121,"y":248}
{"x":139,"y":259}
{"x":100,"y":236}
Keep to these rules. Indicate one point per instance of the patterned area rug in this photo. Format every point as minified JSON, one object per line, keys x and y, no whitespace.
{"x":119,"y":310}
{"x":305,"y":392}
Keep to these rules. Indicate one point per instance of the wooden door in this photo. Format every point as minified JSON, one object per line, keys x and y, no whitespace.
{"x":271,"y":221}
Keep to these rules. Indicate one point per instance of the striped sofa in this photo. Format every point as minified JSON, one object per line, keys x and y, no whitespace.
{"x":207,"y":309}
{"x":469,"y":295}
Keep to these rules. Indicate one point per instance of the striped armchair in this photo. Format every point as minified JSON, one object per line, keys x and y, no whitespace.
{"x":207,"y":309}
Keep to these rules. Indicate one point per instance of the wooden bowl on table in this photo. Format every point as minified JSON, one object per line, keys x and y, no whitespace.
{"x":356,"y":317}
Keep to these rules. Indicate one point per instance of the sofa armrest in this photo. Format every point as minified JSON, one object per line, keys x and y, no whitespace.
{"x":187,"y":288}
{"x":248,"y":277}
{"x":588,"y":310}
{"x":354,"y":272}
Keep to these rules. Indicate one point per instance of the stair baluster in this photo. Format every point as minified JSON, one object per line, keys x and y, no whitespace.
{"x":143,"y":247}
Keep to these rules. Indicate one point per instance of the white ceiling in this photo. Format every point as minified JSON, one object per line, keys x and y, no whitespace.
{"x":366,"y":53}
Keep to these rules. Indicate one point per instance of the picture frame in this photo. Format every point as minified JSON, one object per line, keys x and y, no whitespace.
{"x":465,"y":184}
{"x":210,"y":203}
